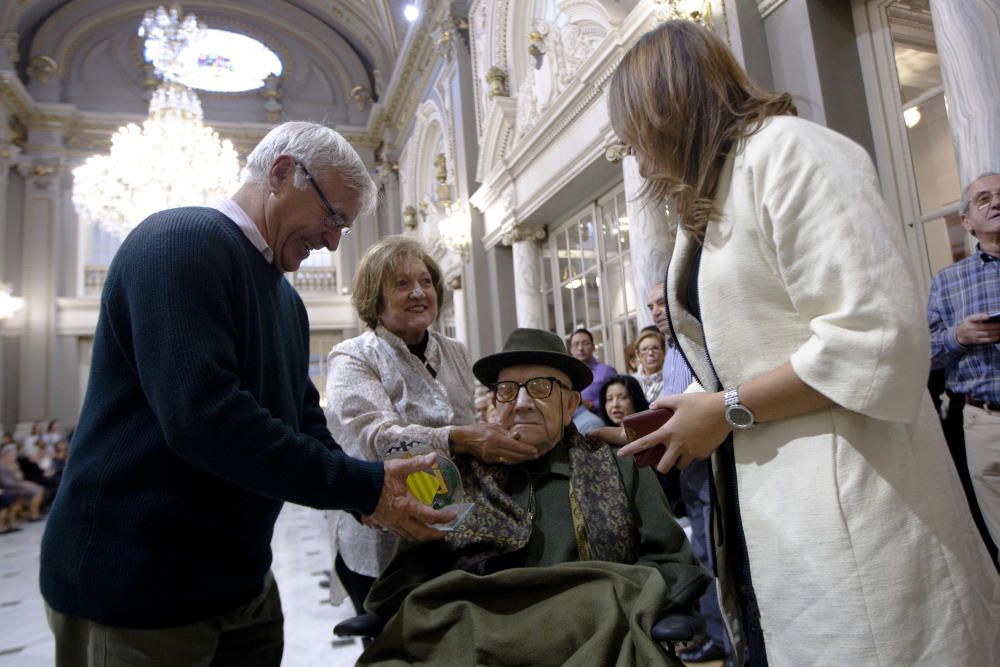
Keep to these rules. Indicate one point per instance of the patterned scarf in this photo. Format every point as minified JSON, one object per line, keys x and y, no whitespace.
{"x":602,"y":517}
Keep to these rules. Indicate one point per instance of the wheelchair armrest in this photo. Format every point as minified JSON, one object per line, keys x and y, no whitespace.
{"x":365,"y":625}
{"x":676,"y":628}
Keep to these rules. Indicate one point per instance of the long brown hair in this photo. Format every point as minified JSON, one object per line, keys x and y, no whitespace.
{"x":680,"y":96}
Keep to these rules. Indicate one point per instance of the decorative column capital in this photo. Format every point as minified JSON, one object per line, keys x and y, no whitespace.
{"x":41,"y":174}
{"x":616,"y":152}
{"x":519,"y":233}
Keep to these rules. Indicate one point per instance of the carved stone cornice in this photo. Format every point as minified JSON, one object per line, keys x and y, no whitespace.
{"x":417,"y":51}
{"x":519,"y":233}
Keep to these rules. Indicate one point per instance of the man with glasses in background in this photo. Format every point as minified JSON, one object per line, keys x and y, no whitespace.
{"x":200,"y":419}
{"x":963,"y":313}
{"x":576,"y":501}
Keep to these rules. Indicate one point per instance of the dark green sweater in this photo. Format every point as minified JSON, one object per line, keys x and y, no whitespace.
{"x":199,"y":420}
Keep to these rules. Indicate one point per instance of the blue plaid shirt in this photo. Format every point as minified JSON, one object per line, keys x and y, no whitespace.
{"x":676,"y":374}
{"x":969,"y":286}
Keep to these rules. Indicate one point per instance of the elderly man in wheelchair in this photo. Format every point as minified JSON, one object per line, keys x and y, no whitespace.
{"x":569,"y":558}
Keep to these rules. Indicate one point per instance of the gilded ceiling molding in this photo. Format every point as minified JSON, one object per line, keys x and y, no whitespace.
{"x":417,"y":53}
{"x":268,"y":39}
{"x":241,"y":18}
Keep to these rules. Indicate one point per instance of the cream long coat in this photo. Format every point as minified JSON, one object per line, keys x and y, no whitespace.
{"x":861,"y":547}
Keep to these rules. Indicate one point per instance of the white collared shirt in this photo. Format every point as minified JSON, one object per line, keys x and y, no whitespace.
{"x":229,"y":208}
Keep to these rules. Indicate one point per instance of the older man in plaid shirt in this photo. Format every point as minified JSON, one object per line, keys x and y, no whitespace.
{"x":965,"y":340}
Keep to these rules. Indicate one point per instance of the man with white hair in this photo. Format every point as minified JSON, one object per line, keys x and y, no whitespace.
{"x":963,"y":313}
{"x":200,"y":420}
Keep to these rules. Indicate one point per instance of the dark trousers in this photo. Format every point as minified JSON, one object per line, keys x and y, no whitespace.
{"x":249,"y":636}
{"x":694,"y":489}
{"x":356,"y":585}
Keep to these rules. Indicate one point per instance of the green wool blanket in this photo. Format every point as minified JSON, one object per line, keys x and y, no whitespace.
{"x":584,"y":613}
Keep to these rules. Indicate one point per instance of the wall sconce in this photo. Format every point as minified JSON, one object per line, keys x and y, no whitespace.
{"x":409,"y":218}
{"x":9,"y":304}
{"x":698,"y":11}
{"x":443,"y":190}
{"x":496,"y":79}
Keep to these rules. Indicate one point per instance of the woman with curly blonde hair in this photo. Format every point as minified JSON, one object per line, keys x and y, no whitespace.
{"x":842,"y":536}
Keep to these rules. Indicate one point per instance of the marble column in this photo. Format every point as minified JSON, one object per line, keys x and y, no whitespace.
{"x":42,"y":209}
{"x":651,"y":239}
{"x":966,"y":35}
{"x":8,"y":157}
{"x":528,"y":298}
{"x":461,"y":311}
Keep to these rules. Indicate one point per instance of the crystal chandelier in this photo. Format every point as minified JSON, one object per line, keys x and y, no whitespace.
{"x":174,"y":159}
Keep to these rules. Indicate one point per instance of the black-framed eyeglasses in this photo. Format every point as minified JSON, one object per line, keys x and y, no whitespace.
{"x":335,"y":220}
{"x":538,"y":388}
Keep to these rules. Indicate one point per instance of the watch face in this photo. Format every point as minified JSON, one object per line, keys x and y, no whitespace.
{"x":739,"y":416}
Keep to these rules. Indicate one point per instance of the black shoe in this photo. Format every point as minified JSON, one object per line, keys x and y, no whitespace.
{"x":710,"y":650}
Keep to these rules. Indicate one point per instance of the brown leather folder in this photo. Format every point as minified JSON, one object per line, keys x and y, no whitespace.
{"x":642,"y":423}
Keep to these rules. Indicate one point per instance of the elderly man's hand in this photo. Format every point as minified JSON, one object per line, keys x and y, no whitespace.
{"x":974,"y":330}
{"x":490,"y":444}
{"x":399,"y":511}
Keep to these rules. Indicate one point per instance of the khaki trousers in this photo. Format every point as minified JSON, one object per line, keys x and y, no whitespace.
{"x":982,"y":449}
{"x":248,"y":636}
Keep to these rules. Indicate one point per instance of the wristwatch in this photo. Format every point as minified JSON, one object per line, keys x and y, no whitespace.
{"x":737,"y":414}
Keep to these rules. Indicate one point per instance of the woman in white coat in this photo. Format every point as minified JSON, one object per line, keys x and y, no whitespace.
{"x":841,"y":532}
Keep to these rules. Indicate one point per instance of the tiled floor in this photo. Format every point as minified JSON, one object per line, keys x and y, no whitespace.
{"x":301,"y":553}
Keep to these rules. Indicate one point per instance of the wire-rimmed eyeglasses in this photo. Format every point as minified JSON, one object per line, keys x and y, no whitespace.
{"x":335,"y":219}
{"x":538,"y":388}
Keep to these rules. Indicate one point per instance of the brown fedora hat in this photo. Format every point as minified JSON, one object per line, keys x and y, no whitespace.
{"x":533,"y":346}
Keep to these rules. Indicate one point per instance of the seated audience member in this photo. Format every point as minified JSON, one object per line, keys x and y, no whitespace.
{"x":7,"y":501}
{"x":35,"y":467}
{"x":577,"y":536}
{"x":12,"y":481}
{"x":620,"y":397}
{"x":581,"y":346}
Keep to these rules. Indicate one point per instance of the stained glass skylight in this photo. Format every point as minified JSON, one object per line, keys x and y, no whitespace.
{"x":227,"y":62}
